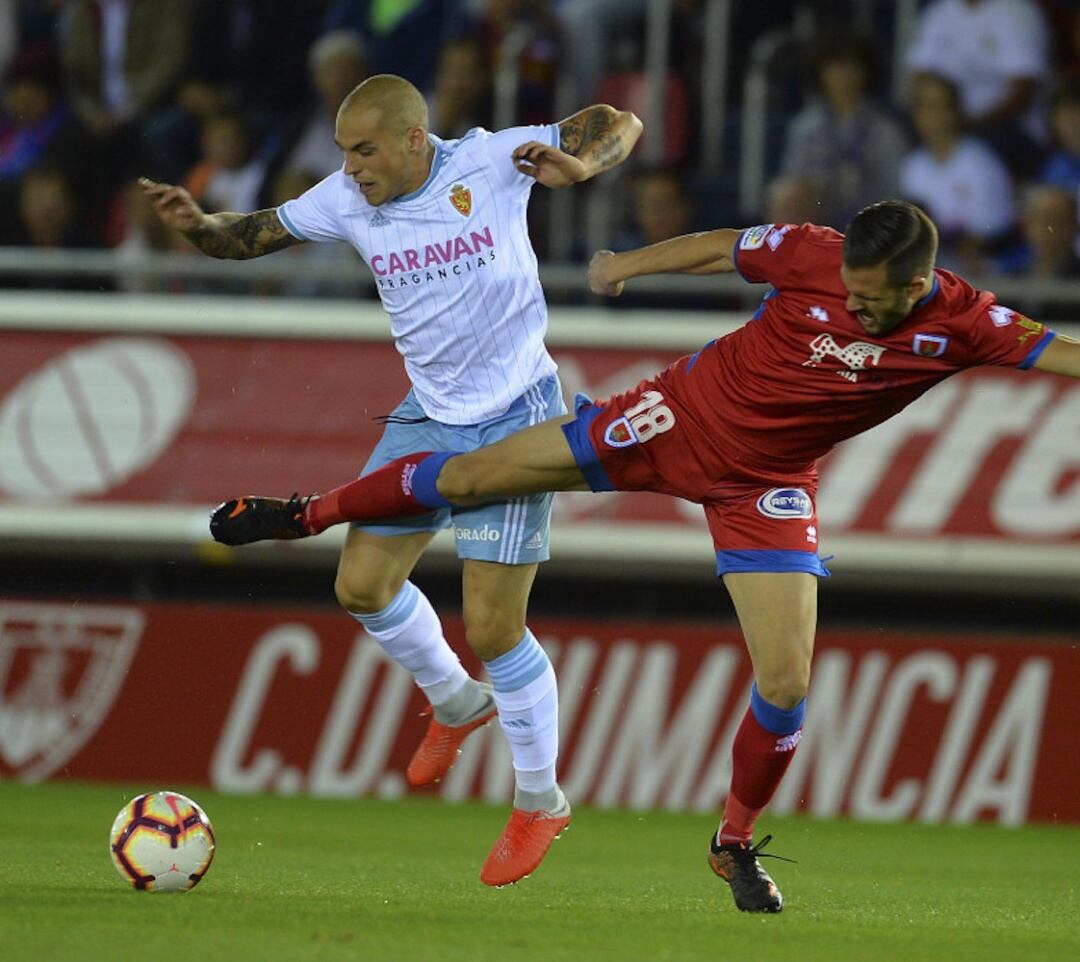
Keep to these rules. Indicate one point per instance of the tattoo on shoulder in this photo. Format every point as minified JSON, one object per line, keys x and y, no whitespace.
{"x":249,"y":235}
{"x":592,"y":129}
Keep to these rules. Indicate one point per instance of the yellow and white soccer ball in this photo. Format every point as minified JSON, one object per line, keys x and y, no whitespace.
{"x":162,"y":842}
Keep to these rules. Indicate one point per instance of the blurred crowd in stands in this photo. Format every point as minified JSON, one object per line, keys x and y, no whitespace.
{"x":235,"y":99}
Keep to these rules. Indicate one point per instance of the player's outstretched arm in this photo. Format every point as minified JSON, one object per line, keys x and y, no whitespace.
{"x":706,"y":252}
{"x":591,"y":141}
{"x":225,"y":235}
{"x":1062,"y":356}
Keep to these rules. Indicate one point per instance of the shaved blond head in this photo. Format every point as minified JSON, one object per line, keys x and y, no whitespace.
{"x":400,"y":105}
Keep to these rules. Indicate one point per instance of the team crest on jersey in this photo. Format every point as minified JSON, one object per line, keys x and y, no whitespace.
{"x":754,"y":237}
{"x":929,"y":345}
{"x":619,"y":434}
{"x":786,"y":503}
{"x":461,"y":198}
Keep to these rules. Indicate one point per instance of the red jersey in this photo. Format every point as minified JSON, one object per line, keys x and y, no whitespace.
{"x":804,"y":374}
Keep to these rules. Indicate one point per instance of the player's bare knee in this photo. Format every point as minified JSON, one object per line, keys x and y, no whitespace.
{"x":784,"y":689}
{"x":363,"y":597}
{"x":493,"y":637}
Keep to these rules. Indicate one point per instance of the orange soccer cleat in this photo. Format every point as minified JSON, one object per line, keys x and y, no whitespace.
{"x":523,"y":844}
{"x":441,"y":746}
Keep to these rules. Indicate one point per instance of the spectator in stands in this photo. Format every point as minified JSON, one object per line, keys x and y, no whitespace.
{"x":997,"y":53}
{"x":122,"y":61}
{"x":463,"y":83}
{"x":503,"y":25}
{"x":255,"y":53}
{"x":231,"y":173}
{"x":842,"y":142}
{"x":35,"y":122}
{"x":143,"y":233}
{"x":403,"y":37}
{"x":238,"y":62}
{"x":1063,"y":166}
{"x":1049,"y":224}
{"x":49,"y":210}
{"x":792,"y":200}
{"x":960,"y":182}
{"x":337,"y":63}
{"x":663,"y":208}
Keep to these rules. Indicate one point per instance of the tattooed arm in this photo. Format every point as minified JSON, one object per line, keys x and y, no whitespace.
{"x":591,"y":141}
{"x":224,"y":235}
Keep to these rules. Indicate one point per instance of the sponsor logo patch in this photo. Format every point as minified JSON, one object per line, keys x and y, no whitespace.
{"x":776,"y":237}
{"x":1029,"y":327}
{"x":461,"y":198}
{"x":818,"y":314}
{"x":929,"y":345}
{"x":786,"y":503}
{"x":754,"y":237}
{"x":788,"y":742}
{"x":407,"y":473}
{"x":1001,"y":316}
{"x":486,"y":533}
{"x":619,"y":434}
{"x":855,"y":356}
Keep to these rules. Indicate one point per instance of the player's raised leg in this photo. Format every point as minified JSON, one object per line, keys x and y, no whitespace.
{"x":372,"y":585}
{"x":495,"y":601}
{"x":536,"y":459}
{"x":778,"y":613}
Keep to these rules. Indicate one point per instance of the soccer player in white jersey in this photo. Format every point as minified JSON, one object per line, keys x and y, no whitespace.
{"x":442,"y":226}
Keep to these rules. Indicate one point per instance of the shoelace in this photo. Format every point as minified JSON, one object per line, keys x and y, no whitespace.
{"x":756,"y":851}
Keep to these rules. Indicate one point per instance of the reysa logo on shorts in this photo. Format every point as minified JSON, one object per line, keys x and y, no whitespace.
{"x":486,"y":533}
{"x":786,"y":503}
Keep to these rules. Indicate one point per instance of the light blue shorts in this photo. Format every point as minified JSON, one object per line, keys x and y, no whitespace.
{"x":513,"y":532}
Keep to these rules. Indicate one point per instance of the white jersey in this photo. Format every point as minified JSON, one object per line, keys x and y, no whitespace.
{"x":455,"y":270}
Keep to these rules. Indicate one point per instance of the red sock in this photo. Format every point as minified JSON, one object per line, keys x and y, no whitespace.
{"x":385,"y":493}
{"x":759,"y":760}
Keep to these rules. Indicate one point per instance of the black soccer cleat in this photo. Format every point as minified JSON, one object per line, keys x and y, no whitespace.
{"x":244,"y":520}
{"x":738,"y":865}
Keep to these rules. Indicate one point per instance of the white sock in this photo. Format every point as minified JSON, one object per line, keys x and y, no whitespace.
{"x":528,"y":701}
{"x":409,"y":631}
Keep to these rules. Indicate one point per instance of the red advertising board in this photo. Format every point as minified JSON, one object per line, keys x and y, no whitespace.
{"x":190,"y":420}
{"x":929,"y":726}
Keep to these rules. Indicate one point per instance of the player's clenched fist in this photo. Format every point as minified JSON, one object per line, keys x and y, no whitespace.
{"x":174,"y":205}
{"x":548,"y":165}
{"x":601,"y":275}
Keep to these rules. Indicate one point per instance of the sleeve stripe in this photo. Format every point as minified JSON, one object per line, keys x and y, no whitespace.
{"x":289,"y":225}
{"x":1033,"y":354}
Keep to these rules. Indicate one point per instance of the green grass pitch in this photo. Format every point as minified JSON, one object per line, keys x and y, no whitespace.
{"x":298,"y":879}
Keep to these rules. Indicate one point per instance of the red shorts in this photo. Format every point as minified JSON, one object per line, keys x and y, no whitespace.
{"x":645,"y":440}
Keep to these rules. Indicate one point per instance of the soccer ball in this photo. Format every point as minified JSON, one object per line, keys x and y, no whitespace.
{"x":162,"y":842}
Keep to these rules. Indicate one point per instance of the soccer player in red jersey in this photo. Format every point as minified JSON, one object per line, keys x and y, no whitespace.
{"x":855,"y":327}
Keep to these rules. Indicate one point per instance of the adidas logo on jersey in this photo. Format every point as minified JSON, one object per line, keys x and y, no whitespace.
{"x":378,"y":219}
{"x":535,"y":542}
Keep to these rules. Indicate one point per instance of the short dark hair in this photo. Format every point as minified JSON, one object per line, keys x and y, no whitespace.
{"x":894,"y":233}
